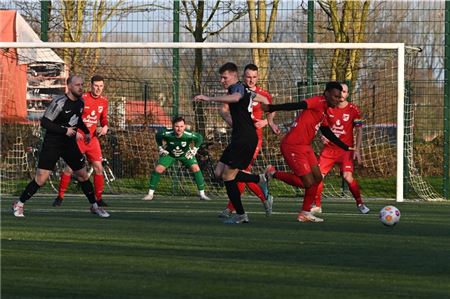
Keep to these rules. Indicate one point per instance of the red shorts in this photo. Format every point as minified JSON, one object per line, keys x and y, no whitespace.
{"x":300,"y":158}
{"x":330,"y":156}
{"x":92,"y":150}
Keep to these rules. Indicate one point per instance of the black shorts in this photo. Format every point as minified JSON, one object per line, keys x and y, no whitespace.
{"x":238,"y":154}
{"x":52,"y":151}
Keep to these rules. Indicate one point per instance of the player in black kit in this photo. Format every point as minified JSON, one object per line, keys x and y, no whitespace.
{"x":61,"y":120}
{"x":239,"y":153}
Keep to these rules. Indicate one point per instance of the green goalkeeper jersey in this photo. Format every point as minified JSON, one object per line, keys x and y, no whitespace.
{"x":178,"y":146}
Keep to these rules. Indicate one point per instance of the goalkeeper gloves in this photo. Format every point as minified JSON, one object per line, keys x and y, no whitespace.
{"x":191,"y":153}
{"x":162,"y":151}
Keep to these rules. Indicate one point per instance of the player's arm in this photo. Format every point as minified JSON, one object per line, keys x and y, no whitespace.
{"x":52,"y":127}
{"x":82,"y":126}
{"x":229,"y":98}
{"x":358,"y":142}
{"x":285,"y":107}
{"x":225,"y":114}
{"x":159,"y":136}
{"x":103,"y":121}
{"x":326,"y":131}
{"x":198,"y":140}
{"x":50,"y":114}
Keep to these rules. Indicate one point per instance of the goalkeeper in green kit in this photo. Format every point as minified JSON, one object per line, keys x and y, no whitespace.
{"x":177,"y":145}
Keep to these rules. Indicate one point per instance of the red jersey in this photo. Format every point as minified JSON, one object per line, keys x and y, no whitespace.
{"x":307,"y":122}
{"x":257,"y":112}
{"x":95,"y":109}
{"x":342,"y":121}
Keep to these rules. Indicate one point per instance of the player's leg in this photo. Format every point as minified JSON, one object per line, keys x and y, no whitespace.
{"x":75,"y":159}
{"x":48,"y":157}
{"x":64,"y":182}
{"x":164,"y":162}
{"x":198,"y":176}
{"x":347,"y":168}
{"x":94,"y":156}
{"x":326,"y":163}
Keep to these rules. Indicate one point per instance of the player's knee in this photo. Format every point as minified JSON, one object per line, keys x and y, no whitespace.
{"x":348,"y":177}
{"x":81,"y":175}
{"x":160,"y":169}
{"x":195,"y":168}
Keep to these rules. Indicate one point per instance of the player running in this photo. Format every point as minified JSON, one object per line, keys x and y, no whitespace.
{"x":343,"y":120}
{"x":174,"y":145}
{"x":296,"y":146}
{"x":251,"y":79}
{"x":61,"y":120}
{"x":95,"y":110}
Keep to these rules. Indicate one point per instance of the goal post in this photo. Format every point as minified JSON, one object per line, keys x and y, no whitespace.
{"x":138,"y":78}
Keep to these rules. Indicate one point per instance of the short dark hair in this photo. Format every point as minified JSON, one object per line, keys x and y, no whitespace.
{"x":97,"y":78}
{"x":178,"y":119}
{"x":70,"y":78}
{"x":333,"y":85}
{"x":251,"y":66}
{"x":229,"y":66}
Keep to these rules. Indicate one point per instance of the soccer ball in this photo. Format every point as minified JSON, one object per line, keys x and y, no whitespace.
{"x":389,"y":215}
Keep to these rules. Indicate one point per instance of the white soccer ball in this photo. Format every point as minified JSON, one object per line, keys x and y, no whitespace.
{"x":389,"y":215}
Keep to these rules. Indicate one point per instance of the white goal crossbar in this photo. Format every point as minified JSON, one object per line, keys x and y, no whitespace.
{"x":399,"y":47}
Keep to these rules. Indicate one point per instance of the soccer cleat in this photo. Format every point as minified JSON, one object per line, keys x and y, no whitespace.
{"x":316,"y":210}
{"x":363,"y":208}
{"x":237,"y":219}
{"x":17,"y":210}
{"x":268,"y":203}
{"x":57,"y":202}
{"x":100,"y":212}
{"x":225,"y":213}
{"x":270,"y":171}
{"x":148,"y":197}
{"x":304,"y":216}
{"x":101,"y":203}
{"x":264,"y":185}
{"x":204,"y":197}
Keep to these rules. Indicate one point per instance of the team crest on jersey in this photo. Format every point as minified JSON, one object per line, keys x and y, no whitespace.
{"x":100,"y":109}
{"x":183,"y":143}
{"x":92,"y":113}
{"x":345,"y":116}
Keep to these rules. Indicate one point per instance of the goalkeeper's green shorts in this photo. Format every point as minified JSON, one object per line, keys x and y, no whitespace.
{"x":168,"y":161}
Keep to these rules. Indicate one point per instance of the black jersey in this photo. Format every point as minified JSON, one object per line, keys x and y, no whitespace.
{"x":62,"y":113}
{"x":241,"y":112}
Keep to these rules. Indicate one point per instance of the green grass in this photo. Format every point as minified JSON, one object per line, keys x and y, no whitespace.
{"x":178,"y":248}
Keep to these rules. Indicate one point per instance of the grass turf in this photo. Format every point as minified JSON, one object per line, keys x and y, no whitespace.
{"x":178,"y":248}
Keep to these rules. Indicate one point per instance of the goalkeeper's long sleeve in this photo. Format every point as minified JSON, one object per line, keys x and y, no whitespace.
{"x":288,"y":106}
{"x":326,"y":131}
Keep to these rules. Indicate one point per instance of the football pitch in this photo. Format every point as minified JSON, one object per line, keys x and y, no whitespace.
{"x":177,"y":247}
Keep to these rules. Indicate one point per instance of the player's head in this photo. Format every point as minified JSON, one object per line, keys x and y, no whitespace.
{"x":344,"y":92}
{"x":333,"y":93}
{"x":228,"y":74}
{"x":179,"y":125}
{"x":251,"y":75}
{"x":75,"y":85}
{"x":97,"y":85}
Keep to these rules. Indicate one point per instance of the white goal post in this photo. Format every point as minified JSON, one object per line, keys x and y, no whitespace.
{"x":398,"y":48}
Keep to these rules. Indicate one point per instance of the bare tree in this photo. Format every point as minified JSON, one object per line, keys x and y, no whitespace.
{"x":261,"y":31}
{"x":199,"y":22}
{"x":348,"y":24}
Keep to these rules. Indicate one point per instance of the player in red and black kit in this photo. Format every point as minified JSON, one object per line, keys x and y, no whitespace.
{"x":95,"y":110}
{"x":239,"y":153}
{"x":61,"y":120}
{"x":251,"y":79}
{"x":342,"y":120}
{"x":297,"y":149}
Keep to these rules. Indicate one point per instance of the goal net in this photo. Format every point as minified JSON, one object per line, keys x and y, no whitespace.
{"x":147,"y":84}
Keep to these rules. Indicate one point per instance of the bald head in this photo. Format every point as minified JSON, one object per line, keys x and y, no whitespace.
{"x":74,"y":87}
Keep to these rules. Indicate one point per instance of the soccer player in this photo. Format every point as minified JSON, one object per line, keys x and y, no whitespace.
{"x":61,"y":120}
{"x":239,"y":153}
{"x":343,"y":120}
{"x":251,"y":79}
{"x":95,"y":110}
{"x":296,"y":145}
{"x":177,"y":144}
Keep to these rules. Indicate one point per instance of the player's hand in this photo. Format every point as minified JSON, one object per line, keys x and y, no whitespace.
{"x":191,"y":153}
{"x":71,"y":131}
{"x":201,"y":97}
{"x":261,"y":123}
{"x":87,"y":138}
{"x":163,"y":151}
{"x":265,"y":107}
{"x":79,"y":136}
{"x":274,"y":128}
{"x":357,"y":156}
{"x":102,"y":131}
